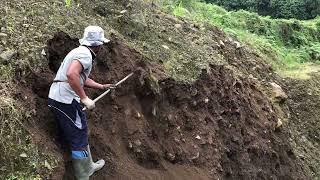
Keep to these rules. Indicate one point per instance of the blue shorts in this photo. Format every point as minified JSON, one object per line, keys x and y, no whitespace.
{"x":71,"y":122}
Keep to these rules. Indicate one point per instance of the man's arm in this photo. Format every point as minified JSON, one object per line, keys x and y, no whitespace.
{"x":73,"y":75}
{"x":92,"y":84}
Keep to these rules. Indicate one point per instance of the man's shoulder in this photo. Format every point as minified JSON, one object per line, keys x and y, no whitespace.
{"x":80,"y":53}
{"x":82,"y":50}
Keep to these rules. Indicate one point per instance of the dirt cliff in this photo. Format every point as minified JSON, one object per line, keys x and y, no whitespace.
{"x":198,"y":106}
{"x":222,"y":126}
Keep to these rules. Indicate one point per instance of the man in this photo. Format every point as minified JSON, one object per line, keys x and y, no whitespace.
{"x":66,"y":93}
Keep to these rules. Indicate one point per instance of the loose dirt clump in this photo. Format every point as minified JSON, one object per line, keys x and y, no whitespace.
{"x":152,"y":127}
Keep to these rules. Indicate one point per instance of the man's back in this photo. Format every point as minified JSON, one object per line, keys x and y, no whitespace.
{"x":60,"y":90}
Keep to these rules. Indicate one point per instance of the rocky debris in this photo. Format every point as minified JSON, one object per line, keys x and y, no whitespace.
{"x":178,"y":26}
{"x":195,"y":27}
{"x":198,"y":137}
{"x":194,"y":91}
{"x":169,"y":117}
{"x":196,"y":156}
{"x":47,"y":165}
{"x":154,"y":111}
{"x":210,"y":139}
{"x":23,"y":155}
{"x":171,"y":157}
{"x":279,"y":124}
{"x":237,"y":44}
{"x":137,"y":142}
{"x":221,"y":44}
{"x":43,"y":53}
{"x":165,"y":47}
{"x":6,"y":56}
{"x":2,"y":35}
{"x":206,"y":100}
{"x":123,"y":11}
{"x":138,"y":115}
{"x":176,"y":140}
{"x":194,"y":103}
{"x":130,"y":145}
{"x":278,"y":95}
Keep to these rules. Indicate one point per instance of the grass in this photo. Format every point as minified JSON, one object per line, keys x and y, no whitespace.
{"x":303,"y":71}
{"x":19,"y":158}
{"x":6,"y":73}
{"x":289,"y":45}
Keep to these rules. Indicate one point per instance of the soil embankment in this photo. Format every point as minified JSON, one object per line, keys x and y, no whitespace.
{"x":222,"y":126}
{"x":304,"y":124}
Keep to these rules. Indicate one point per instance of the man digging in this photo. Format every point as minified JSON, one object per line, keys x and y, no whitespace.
{"x":66,"y":93}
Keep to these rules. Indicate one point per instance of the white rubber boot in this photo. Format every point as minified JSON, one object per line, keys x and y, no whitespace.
{"x":81,"y":168}
{"x":84,"y":168}
{"x":94,"y":166}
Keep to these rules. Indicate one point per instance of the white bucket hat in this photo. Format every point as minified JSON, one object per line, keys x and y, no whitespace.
{"x":93,"y":36}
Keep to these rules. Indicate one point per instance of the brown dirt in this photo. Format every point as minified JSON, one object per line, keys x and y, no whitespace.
{"x":152,"y":127}
{"x":304,"y":124}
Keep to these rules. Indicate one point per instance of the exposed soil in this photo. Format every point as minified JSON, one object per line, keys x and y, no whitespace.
{"x":220,"y":127}
{"x":304,"y":124}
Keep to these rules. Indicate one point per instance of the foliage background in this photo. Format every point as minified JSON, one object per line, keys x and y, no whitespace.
{"x":299,"y":9}
{"x":292,"y":46}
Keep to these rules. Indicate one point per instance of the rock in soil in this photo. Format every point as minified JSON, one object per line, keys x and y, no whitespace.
{"x":6,"y":56}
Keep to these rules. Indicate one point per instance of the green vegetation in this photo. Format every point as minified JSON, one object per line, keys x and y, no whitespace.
{"x":68,"y":3}
{"x":299,"y":9}
{"x":287,"y":44}
{"x":19,"y":158}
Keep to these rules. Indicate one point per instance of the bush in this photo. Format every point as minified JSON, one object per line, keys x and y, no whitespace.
{"x":318,"y":25}
{"x":180,"y":11}
{"x":186,"y":3}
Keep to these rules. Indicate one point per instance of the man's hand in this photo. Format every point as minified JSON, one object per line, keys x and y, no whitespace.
{"x":108,"y":86}
{"x":88,"y":103}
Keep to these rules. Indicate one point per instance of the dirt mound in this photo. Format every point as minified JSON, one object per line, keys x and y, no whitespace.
{"x":153,"y":127}
{"x":184,"y":47}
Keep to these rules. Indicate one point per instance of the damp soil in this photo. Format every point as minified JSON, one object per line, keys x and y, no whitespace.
{"x":221,"y":126}
{"x":304,"y":124}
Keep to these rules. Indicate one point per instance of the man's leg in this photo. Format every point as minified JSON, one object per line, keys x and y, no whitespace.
{"x":60,"y":137}
{"x":83,"y":164}
{"x":96,"y":166}
{"x":81,"y":154}
{"x":74,"y":126}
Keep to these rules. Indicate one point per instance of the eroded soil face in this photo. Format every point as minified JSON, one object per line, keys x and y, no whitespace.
{"x":152,"y":127}
{"x":304,"y":124}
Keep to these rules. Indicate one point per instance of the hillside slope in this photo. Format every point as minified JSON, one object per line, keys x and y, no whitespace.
{"x":197,"y":109}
